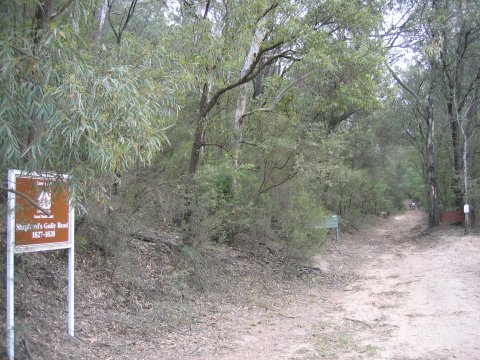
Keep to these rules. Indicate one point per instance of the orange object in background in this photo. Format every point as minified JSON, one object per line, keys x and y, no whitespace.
{"x":452,"y":217}
{"x":32,"y":225}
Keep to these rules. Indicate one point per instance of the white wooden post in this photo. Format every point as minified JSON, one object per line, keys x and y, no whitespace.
{"x":71,"y":270}
{"x":10,"y":267}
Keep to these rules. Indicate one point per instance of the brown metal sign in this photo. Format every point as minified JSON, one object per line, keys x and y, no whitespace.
{"x":34,"y":226}
{"x":40,"y":217}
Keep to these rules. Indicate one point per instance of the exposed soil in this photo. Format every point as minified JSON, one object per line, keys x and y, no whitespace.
{"x":412,"y":297}
{"x":391,"y":291}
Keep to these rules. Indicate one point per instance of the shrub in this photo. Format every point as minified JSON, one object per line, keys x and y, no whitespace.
{"x":289,"y":215}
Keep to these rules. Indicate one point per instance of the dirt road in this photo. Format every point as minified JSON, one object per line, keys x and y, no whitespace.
{"x":382,"y":293}
{"x":405,"y":297}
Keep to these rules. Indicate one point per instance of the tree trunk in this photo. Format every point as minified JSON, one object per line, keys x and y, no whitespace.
{"x":101,"y":20}
{"x":75,"y":18}
{"x":465,"y":179}
{"x":429,"y":116}
{"x":433,"y":213}
{"x":457,"y":166}
{"x":40,"y":23}
{"x":467,"y":126}
{"x":238,"y":124}
{"x":238,"y":119}
{"x":42,"y":15}
{"x":198,"y":141}
{"x":200,"y":130}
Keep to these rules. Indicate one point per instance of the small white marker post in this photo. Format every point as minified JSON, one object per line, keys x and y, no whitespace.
{"x":35,"y":233}
{"x":466,"y":210}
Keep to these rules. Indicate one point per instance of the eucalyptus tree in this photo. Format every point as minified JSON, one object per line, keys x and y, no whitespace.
{"x":73,"y":107}
{"x":334,"y":67}
{"x":422,"y":102}
{"x":238,"y":43}
{"x":335,"y":83}
{"x":444,"y":36}
{"x":460,"y":66}
{"x":218,"y":31}
{"x":259,"y":36}
{"x":346,"y":58}
{"x":420,"y":32}
{"x":125,"y":11}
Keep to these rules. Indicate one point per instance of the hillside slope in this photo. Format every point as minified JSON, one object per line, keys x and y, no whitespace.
{"x":389,"y":291}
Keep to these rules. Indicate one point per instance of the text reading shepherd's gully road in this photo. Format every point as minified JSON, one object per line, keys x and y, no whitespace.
{"x":37,"y":228}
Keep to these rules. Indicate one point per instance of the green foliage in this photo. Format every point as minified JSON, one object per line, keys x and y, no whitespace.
{"x":217,"y":213}
{"x":72,"y":104}
{"x":81,"y":244}
{"x":297,"y":219}
{"x":71,"y":107}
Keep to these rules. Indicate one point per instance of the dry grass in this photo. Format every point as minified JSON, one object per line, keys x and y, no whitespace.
{"x":129,"y":292}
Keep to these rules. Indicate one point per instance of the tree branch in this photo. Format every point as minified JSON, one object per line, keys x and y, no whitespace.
{"x":61,"y":10}
{"x":131,"y":10}
{"x":402,"y":84}
{"x":406,"y":88}
{"x":286,"y":162}
{"x":123,"y":22}
{"x":277,"y":98}
{"x":248,"y":143}
{"x":289,"y":177}
{"x":26,"y":197}
{"x":109,"y":17}
{"x":250,"y":74}
{"x":217,"y":145}
{"x":207,"y":9}
{"x":265,"y":13}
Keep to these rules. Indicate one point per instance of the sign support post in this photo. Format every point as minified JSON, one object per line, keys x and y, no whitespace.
{"x":47,"y":225}
{"x":10,"y":268}
{"x":71,"y":270}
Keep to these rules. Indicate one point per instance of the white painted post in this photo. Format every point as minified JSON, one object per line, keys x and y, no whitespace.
{"x":10,"y":268}
{"x":466,"y":211}
{"x":71,"y":270}
{"x":71,"y":297}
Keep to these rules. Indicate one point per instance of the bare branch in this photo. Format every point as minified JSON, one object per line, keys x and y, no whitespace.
{"x":278,"y":97}
{"x":248,"y":143}
{"x":26,"y":197}
{"x":286,"y":162}
{"x":406,"y":88}
{"x":207,"y":9}
{"x":61,"y":10}
{"x":402,"y":84}
{"x":289,"y":177}
{"x":217,"y":145}
{"x":126,"y":17}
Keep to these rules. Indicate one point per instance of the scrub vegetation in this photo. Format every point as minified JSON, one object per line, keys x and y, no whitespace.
{"x":202,"y":134}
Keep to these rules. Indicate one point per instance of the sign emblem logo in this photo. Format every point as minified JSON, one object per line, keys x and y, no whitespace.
{"x":45,"y":200}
